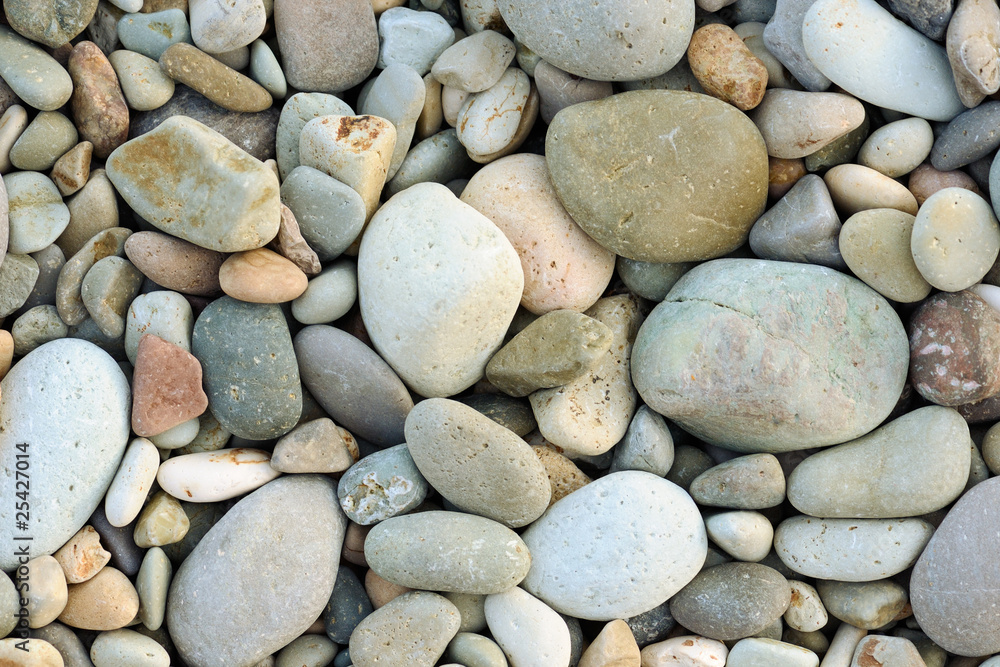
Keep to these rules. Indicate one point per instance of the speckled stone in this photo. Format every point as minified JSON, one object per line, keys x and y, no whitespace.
{"x":898,"y":148}
{"x":91,"y":210}
{"x":69,"y":300}
{"x":32,"y":74}
{"x":106,"y":602}
{"x":50,"y":22}
{"x":866,"y":605}
{"x":681,"y":384}
{"x":528,"y":630}
{"x":82,"y":556}
{"x":971,"y":135}
{"x":107,"y":290}
{"x":49,"y":135}
{"x":725,"y":66}
{"x":796,"y":123}
{"x":886,"y":650}
{"x":98,"y":104}
{"x":36,"y":213}
{"x":414,"y":629}
{"x":748,"y":482}
{"x":143,"y":83}
{"x":246,"y":367}
{"x":955,"y":239}
{"x":35,"y":327}
{"x":348,"y":606}
{"x":686,"y":650}
{"x":973,"y":35}
{"x":382,"y":485}
{"x":152,"y":33}
{"x":174,"y":263}
{"x":217,"y":82}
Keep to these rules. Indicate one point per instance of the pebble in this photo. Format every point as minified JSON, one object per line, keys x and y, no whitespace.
{"x":175,"y":264}
{"x":144,"y":85}
{"x":206,"y":477}
{"x":382,"y":485}
{"x":914,"y":465}
{"x":412,"y":38}
{"x":783,"y":37}
{"x":316,"y":446}
{"x":261,"y":276}
{"x":125,"y":555}
{"x":911,"y":76}
{"x":965,"y":623}
{"x":308,"y":650}
{"x":438,"y":159}
{"x":881,"y":649}
{"x":725,"y":67}
{"x":17,"y":276}
{"x":563,"y":267}
{"x":166,"y":315}
{"x":382,"y":592}
{"x":98,"y":104}
{"x":952,"y":342}
{"x":108,"y":601}
{"x":151,"y":34}
{"x":106,"y":291}
{"x":43,"y":142}
{"x":49,"y":22}
{"x":750,"y":482}
{"x":558,"y":89}
{"x":642,"y":519}
{"x":93,"y":209}
{"x":12,"y":124}
{"x":161,"y":522}
{"x":35,"y":327}
{"x":329,"y":295}
{"x":796,"y":123}
{"x":968,"y":137}
{"x":217,"y":82}
{"x":973,"y":34}
{"x":397,"y":95}
{"x":152,"y":584}
{"x":414,"y":629}
{"x":731,"y":601}
{"x":875,"y":245}
{"x":290,"y":244}
{"x":49,"y":261}
{"x":330,"y":213}
{"x":758,"y":652}
{"x":72,"y":463}
{"x":745,"y":536}
{"x":688,"y":651}
{"x":72,"y":170}
{"x":177,"y":436}
{"x":355,"y":386}
{"x":488,"y":121}
{"x":587,"y":144}
{"x":32,"y":74}
{"x":803,"y":226}
{"x":348,"y":606}
{"x":529,"y":631}
{"x":46,"y":593}
{"x":241,"y":210}
{"x":925,"y":180}
{"x":43,"y":654}
{"x":955,"y":239}
{"x":217,"y":28}
{"x":37,"y":215}
{"x":119,"y":647}
{"x":648,"y":445}
{"x":475,"y":63}
{"x":805,"y":612}
{"x":855,"y":188}
{"x":264,"y":572}
{"x":132,"y":483}
{"x":82,"y":556}
{"x":628,"y":41}
{"x":447,"y":551}
{"x":64,"y":641}
{"x":166,"y":387}
{"x":866,"y":605}
{"x":614,"y":645}
{"x":326,"y":48}
{"x":236,"y":380}
{"x":468,"y":648}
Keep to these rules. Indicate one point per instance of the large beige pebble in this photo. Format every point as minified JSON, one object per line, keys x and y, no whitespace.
{"x":564,"y":268}
{"x":475,"y":63}
{"x":614,"y":646}
{"x":206,"y":477}
{"x":18,"y":652}
{"x":83,"y":556}
{"x":106,"y":602}
{"x":262,"y":276}
{"x":855,"y":188}
{"x":876,"y":246}
{"x":528,"y":630}
{"x":46,"y":592}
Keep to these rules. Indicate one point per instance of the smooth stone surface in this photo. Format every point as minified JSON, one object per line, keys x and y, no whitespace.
{"x":132,"y":483}
{"x":70,"y":649}
{"x":468,"y":648}
{"x":475,"y":63}
{"x":72,"y":463}
{"x":382,"y":485}
{"x":329,"y":295}
{"x":266,"y":70}
{"x":106,"y":602}
{"x":246,"y":367}
{"x":315,"y":446}
{"x":48,"y":22}
{"x":885,"y":650}
{"x":219,"y":83}
{"x":925,"y":180}
{"x":757,"y":652}
{"x":166,"y":387}
{"x":865,"y":605}
{"x":261,"y":276}
{"x":238,"y":196}
{"x":558,"y":89}
{"x":72,"y":170}
{"x":480,"y":288}
{"x":36,"y":213}
{"x":605,"y":159}
{"x":330,"y":213}
{"x":955,"y":613}
{"x":731,"y":601}
{"x":98,"y":104}
{"x":412,"y":38}
{"x":397,"y":95}
{"x":504,"y":410}
{"x":271,"y":562}
{"x":783,"y":37}
{"x":161,"y":522}
{"x":164,"y":314}
{"x":875,"y":245}
{"x":914,"y":465}
{"x":805,"y":612}
{"x":348,"y":606}
{"x":647,"y":445}
{"x":152,"y":584}
{"x":447,"y":551}
{"x":32,"y":74}
{"x":796,"y":123}
{"x":144,"y":85}
{"x":107,"y":290}
{"x":206,"y":477}
{"x":663,"y":370}
{"x":18,"y":274}
{"x":748,"y":482}
{"x":563,"y":267}
{"x":901,"y":70}
{"x":642,"y":519}
{"x":854,"y":188}
{"x":624,"y":42}
{"x":46,"y":593}
{"x":414,"y":629}
{"x":151,"y":34}
{"x":489,"y":121}
{"x":438,"y":159}
{"x":92,"y":210}
{"x":970,"y":136}
{"x":127,"y":647}
{"x":175,"y":264}
{"x":690,"y":651}
{"x":218,"y":27}
{"x":955,"y":239}
{"x":745,"y":536}
{"x":355,"y":386}
{"x":45,"y":139}
{"x":82,"y":556}
{"x":35,"y":327}
{"x":973,"y":33}
{"x":476,"y":463}
{"x":529,"y":631}
{"x":726,"y":67}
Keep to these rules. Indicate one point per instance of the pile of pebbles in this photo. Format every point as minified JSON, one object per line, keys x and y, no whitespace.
{"x":616,"y":333}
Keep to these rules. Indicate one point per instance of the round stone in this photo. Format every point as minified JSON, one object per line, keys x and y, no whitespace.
{"x":32,"y":74}
{"x":607,"y":159}
{"x":745,"y":482}
{"x":382,"y":485}
{"x":37,"y":214}
{"x":955,"y":239}
{"x":898,"y":148}
{"x":876,"y":246}
{"x":413,"y":629}
{"x":45,"y":140}
{"x":758,"y":652}
{"x":261,"y":276}
{"x":412,"y":38}
{"x":328,"y":296}
{"x":127,"y":647}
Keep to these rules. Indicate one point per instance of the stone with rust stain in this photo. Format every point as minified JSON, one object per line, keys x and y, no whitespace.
{"x":564,"y":475}
{"x":69,"y":287}
{"x":191,"y":182}
{"x":98,"y":104}
{"x":166,"y":387}
{"x":219,"y":83}
{"x":82,"y":557}
{"x":261,"y":276}
{"x":879,"y":650}
{"x":175,"y":264}
{"x":72,"y":170}
{"x":725,"y":67}
{"x":954,"y":345}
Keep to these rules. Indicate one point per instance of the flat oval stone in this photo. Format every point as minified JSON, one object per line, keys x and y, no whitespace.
{"x":914,"y":465}
{"x":328,"y":296}
{"x":876,"y":246}
{"x":623,"y":42}
{"x":968,"y":137}
{"x":128,"y":647}
{"x":414,"y":629}
{"x":563,"y":267}
{"x":106,"y":602}
{"x":748,"y":482}
{"x":528,"y":630}
{"x":254,"y":600}
{"x":261,"y":276}
{"x":72,"y":464}
{"x":746,"y":536}
{"x":955,"y":239}
{"x":382,"y":485}
{"x":630,"y":519}
{"x":143,"y":83}
{"x":756,"y":324}
{"x":217,"y":82}
{"x":754,"y":651}
{"x":266,"y":70}
{"x":330,"y":213}
{"x":476,"y":463}
{"x":37,"y":215}
{"x":132,"y":482}
{"x":856,"y":188}
{"x":731,"y":601}
{"x":687,"y":650}
{"x":470,"y":648}
{"x":901,"y":70}
{"x":98,"y":104}
{"x":850,"y":549}
{"x":355,"y":386}
{"x":248,"y":362}
{"x":957,"y":617}
{"x":151,"y":34}
{"x":454,"y":263}
{"x":796,"y":123}
{"x":35,"y":76}
{"x":174,"y":263}
{"x":606,"y":160}
{"x":447,"y":551}
{"x":208,"y":477}
{"x":241,"y":209}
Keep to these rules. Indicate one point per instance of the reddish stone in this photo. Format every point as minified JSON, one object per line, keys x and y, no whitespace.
{"x":166,"y":387}
{"x":98,"y":104}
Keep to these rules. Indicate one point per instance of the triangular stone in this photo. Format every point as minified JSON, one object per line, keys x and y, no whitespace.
{"x":166,"y":387}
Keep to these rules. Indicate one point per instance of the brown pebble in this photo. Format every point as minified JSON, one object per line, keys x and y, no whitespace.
{"x":564,"y":476}
{"x":72,"y":170}
{"x":83,"y":556}
{"x":98,"y":104}
{"x":614,"y":646}
{"x":782,"y":174}
{"x":175,"y":264}
{"x":380,"y":591}
{"x":106,"y":602}
{"x":261,"y":276}
{"x":290,"y":244}
{"x":354,"y":544}
{"x":221,"y":84}
{"x":725,"y":67}
{"x":166,"y":387}
{"x":925,"y":180}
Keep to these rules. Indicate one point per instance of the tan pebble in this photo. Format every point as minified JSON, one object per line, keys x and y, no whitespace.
{"x":109,"y":601}
{"x":91,"y":210}
{"x":452,"y":100}
{"x":83,"y":556}
{"x":431,"y":116}
{"x":261,"y":276}
{"x":221,"y":84}
{"x":925,"y":180}
{"x":17,"y":652}
{"x":615,"y":646}
{"x":175,"y":264}
{"x":972,"y":42}
{"x":46,"y":593}
{"x":564,"y":476}
{"x":290,"y":244}
{"x":6,"y":352}
{"x":876,"y":246}
{"x":72,"y":170}
{"x":782,"y":174}
{"x":380,"y":591}
{"x":725,"y":67}
{"x":796,"y":123}
{"x":161,"y":522}
{"x":98,"y":104}
{"x":854,"y":188}
{"x":687,"y":651}
{"x":354,"y":544}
